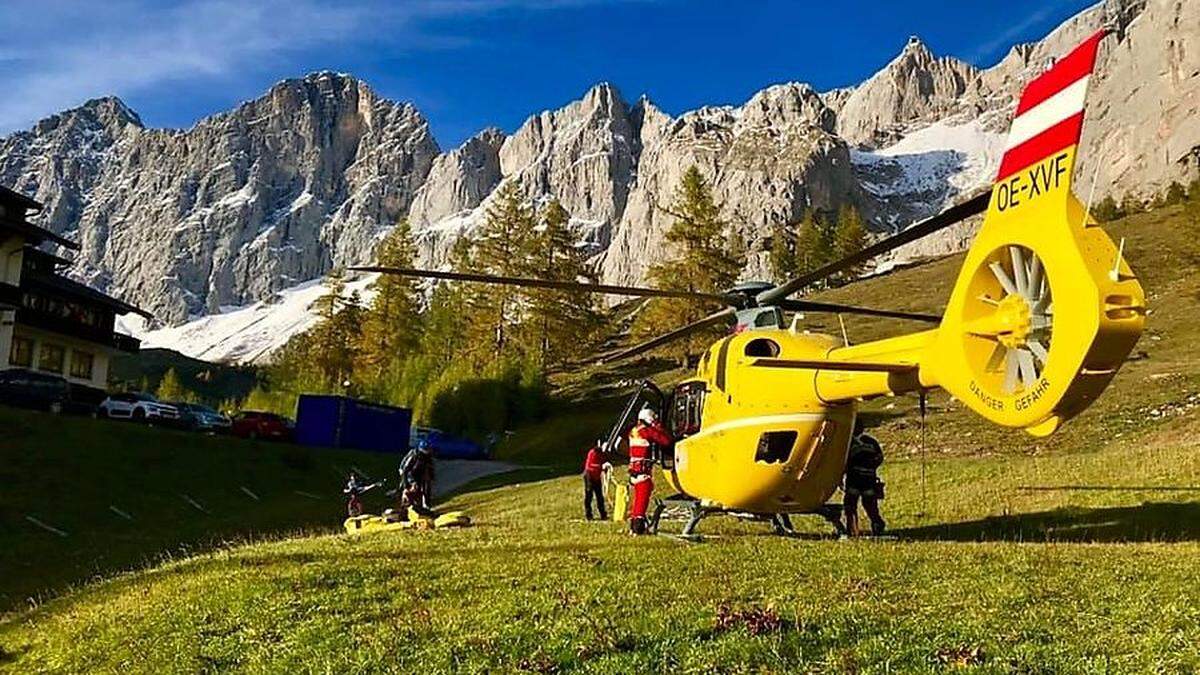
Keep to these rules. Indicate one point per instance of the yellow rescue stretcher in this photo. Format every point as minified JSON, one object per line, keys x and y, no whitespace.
{"x":390,"y":520}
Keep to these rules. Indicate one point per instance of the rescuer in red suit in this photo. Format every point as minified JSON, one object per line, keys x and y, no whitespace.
{"x":593,"y":480}
{"x":647,"y":431}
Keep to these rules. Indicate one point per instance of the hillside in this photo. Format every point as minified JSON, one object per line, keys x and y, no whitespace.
{"x":1075,"y":553}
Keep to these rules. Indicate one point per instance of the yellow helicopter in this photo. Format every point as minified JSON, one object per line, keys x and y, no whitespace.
{"x":1043,"y":313}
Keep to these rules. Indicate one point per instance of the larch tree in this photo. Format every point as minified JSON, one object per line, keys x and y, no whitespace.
{"x":391,"y":325}
{"x":561,"y":322}
{"x":849,"y":237}
{"x":171,"y":388}
{"x":501,"y":248}
{"x":813,"y":246}
{"x":702,"y":257}
{"x":783,"y":260}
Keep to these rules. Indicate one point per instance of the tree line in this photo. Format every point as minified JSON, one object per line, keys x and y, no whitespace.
{"x":475,"y":358}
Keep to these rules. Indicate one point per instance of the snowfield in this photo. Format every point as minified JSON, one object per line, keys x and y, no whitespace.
{"x":243,"y":335}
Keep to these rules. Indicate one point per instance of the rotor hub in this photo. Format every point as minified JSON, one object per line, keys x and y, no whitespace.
{"x":1014,"y":316}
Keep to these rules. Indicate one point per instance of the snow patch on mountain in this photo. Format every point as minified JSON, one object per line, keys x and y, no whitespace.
{"x":244,"y":335}
{"x":925,"y":170}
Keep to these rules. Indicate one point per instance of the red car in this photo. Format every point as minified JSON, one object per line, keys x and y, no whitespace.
{"x":254,"y":424}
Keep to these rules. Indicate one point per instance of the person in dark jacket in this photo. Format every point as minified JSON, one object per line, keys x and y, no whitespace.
{"x":862,"y":481}
{"x":416,"y":480}
{"x":593,"y":480}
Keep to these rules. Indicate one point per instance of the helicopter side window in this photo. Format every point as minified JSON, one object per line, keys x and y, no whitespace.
{"x":686,"y":408}
{"x":762,"y":347}
{"x":774,"y":447}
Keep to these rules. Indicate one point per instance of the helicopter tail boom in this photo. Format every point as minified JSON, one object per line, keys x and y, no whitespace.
{"x":1045,"y":308}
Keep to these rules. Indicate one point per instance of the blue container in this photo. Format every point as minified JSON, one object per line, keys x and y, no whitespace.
{"x":341,"y":422}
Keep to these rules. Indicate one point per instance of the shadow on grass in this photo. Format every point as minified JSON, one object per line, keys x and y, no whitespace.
{"x":1150,"y":522}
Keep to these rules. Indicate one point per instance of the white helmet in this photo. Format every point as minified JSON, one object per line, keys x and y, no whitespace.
{"x":647,"y":416}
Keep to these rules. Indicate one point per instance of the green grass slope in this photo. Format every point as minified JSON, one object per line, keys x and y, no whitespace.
{"x":530,"y":588}
{"x":1077,"y":553}
{"x":69,"y":472}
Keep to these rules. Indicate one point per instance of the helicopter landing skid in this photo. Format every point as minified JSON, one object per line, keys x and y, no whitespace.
{"x":680,"y":506}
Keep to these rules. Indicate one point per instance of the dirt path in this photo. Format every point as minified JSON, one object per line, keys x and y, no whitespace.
{"x":451,"y":474}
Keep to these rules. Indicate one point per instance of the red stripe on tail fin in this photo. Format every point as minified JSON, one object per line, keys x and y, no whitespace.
{"x":1066,"y":71}
{"x":1058,"y":137}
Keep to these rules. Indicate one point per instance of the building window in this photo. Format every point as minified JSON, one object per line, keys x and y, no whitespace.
{"x":21,"y":353}
{"x":81,"y":364}
{"x":51,"y":358}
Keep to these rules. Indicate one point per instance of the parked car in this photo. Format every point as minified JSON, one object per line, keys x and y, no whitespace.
{"x":448,"y":446}
{"x":139,"y":408}
{"x":196,"y":417}
{"x":258,"y":424}
{"x":39,"y":391}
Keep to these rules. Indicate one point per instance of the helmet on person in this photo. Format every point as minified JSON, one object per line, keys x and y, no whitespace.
{"x":647,"y":416}
{"x":423,"y":445}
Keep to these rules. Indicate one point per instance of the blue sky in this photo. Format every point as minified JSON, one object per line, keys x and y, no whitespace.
{"x":468,"y":64}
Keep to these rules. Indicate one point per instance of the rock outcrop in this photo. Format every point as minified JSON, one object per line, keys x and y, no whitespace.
{"x":242,"y":205}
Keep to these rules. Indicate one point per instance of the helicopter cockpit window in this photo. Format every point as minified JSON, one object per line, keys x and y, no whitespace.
{"x":686,"y":408}
{"x":762,"y":347}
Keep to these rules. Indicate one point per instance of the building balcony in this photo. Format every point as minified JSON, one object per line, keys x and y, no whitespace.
{"x":63,"y":326}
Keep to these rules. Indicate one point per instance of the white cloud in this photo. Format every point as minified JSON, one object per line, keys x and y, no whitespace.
{"x":55,"y":55}
{"x":1012,"y":34}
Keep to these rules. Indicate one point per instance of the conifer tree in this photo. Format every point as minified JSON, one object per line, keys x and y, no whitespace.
{"x":783,"y":259}
{"x":1175,"y":194}
{"x":502,"y":248}
{"x":333,"y":340}
{"x":1107,"y":210}
{"x":171,"y":388}
{"x":562,"y":322}
{"x":813,"y":248}
{"x":391,"y":324}
{"x":850,"y":237}
{"x":700,"y":260}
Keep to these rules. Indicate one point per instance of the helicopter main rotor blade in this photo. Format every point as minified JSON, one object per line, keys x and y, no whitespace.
{"x":527,"y":282}
{"x":722,"y":316}
{"x":959,"y":212}
{"x":811,"y":306}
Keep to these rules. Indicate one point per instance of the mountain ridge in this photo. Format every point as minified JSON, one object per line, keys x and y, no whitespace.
{"x":276,"y":191}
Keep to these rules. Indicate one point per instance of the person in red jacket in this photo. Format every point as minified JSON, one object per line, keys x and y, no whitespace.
{"x":593,"y":480}
{"x":647,"y":431}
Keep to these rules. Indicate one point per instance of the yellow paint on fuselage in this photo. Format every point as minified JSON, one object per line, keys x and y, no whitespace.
{"x":741,"y":404}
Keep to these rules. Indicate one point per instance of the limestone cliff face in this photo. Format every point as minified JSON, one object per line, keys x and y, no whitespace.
{"x":313,"y":173}
{"x":916,"y":86}
{"x":242,"y":205}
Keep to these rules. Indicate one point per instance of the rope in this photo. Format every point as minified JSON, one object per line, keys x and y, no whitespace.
{"x":924,"y":494}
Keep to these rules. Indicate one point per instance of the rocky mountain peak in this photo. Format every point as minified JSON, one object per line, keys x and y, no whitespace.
{"x":916,"y":85}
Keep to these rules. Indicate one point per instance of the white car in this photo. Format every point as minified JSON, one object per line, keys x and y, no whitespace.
{"x":139,"y":408}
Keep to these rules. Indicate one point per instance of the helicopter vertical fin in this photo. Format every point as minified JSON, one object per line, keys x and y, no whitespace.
{"x":1045,"y":309}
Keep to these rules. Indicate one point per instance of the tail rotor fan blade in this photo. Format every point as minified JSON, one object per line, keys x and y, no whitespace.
{"x":1020,"y":280}
{"x":1010,"y":371}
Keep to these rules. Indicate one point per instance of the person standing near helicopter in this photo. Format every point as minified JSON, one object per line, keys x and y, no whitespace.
{"x":646,"y":432}
{"x":593,"y":480}
{"x":862,"y":481}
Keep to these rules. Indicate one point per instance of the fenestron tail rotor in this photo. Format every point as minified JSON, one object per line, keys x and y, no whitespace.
{"x":1019,"y":320}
